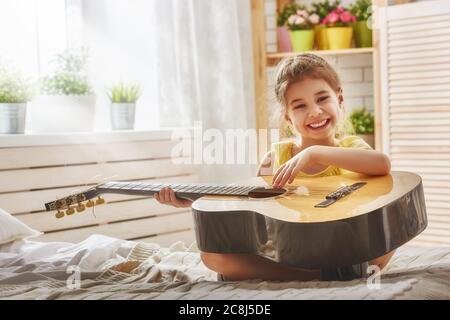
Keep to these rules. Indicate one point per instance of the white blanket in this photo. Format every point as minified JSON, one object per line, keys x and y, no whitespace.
{"x":116,"y":269}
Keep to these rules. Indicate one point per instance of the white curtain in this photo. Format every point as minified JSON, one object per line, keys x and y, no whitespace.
{"x":193,"y":59}
{"x":204,"y":61}
{"x":205,"y":69}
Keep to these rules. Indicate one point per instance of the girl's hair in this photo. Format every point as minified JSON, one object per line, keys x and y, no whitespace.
{"x":297,"y":68}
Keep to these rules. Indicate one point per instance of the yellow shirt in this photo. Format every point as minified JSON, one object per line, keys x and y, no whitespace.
{"x":283,"y":152}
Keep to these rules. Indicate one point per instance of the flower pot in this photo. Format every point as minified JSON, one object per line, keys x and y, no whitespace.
{"x":369,"y":138}
{"x":320,"y":37}
{"x":72,"y":113}
{"x":283,"y":39}
{"x":302,"y":40}
{"x":12,"y":117}
{"x":339,"y":37}
{"x":363,"y":35}
{"x":122,"y":116}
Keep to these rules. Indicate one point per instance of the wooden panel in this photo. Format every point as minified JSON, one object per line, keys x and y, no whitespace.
{"x":426,"y":149}
{"x":423,"y":136}
{"x":417,"y":104}
{"x":33,"y":201}
{"x":419,"y":61}
{"x":165,"y":240}
{"x":419,"y":156}
{"x":420,"y":74}
{"x":420,"y":54}
{"x":51,"y":139}
{"x":103,"y":214}
{"x":416,"y":122}
{"x":413,"y":114}
{"x":425,"y":40}
{"x":125,"y":230}
{"x":18,"y":180}
{"x":426,"y":111}
{"x":424,"y":33}
{"x":259,"y":64}
{"x":394,"y":24}
{"x":436,"y":143}
{"x":420,"y":102}
{"x":414,"y":163}
{"x":419,"y":48}
{"x":29,"y":157}
{"x":419,"y":82}
{"x":427,"y":67}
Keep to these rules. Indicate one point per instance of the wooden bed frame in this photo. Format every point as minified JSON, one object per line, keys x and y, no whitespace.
{"x":35,"y":169}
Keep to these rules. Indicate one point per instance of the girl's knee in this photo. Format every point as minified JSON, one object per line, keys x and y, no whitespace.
{"x":214,"y":261}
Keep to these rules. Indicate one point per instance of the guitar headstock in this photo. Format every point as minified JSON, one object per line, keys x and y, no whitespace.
{"x":75,"y":202}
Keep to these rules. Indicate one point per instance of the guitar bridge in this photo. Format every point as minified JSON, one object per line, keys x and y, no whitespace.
{"x":338,"y":194}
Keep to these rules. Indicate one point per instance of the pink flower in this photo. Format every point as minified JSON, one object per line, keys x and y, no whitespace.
{"x":333,"y":18}
{"x":299,"y":20}
{"x":302,"y":13}
{"x":314,"y":18}
{"x":339,"y":10}
{"x":291,"y":19}
{"x":325,"y":20}
{"x":346,"y":17}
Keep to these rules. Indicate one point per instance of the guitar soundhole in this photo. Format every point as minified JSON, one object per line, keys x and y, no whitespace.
{"x":259,"y":193}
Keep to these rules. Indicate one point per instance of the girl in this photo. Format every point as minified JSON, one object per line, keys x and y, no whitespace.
{"x":310,"y":95}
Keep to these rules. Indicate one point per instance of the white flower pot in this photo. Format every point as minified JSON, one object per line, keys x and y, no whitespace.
{"x":12,"y":117}
{"x":72,"y":113}
{"x":122,"y":116}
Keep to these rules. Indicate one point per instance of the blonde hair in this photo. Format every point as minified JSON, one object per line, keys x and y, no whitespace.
{"x":307,"y":65}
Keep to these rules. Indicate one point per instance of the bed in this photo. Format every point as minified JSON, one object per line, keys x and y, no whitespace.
{"x":110,"y":268}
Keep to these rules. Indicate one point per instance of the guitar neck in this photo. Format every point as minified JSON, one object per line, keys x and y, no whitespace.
{"x":191,"y":191}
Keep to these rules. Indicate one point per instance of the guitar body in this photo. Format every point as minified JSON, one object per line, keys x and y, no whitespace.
{"x":371,"y":221}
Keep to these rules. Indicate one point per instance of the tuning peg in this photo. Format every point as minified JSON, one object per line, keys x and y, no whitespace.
{"x":80,"y":207}
{"x":99,"y":200}
{"x":59,"y":214}
{"x":70,"y":211}
{"x":90,"y":203}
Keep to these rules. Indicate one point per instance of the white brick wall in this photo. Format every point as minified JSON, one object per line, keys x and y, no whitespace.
{"x":271,"y":25}
{"x":355,"y":70}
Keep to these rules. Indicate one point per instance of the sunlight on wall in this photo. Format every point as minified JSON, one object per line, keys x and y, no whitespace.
{"x":32,"y":31}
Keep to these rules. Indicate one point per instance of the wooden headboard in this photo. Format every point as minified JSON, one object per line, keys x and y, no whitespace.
{"x":35,"y":169}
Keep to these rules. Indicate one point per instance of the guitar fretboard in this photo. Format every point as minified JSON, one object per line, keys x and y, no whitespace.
{"x":200,"y":189}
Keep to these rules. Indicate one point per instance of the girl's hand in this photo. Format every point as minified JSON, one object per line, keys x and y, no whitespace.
{"x":289,"y":170}
{"x":167,"y":196}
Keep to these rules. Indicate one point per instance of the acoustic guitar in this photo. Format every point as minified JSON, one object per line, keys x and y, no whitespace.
{"x":313,"y":223}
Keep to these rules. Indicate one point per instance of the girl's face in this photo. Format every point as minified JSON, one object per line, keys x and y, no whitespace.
{"x":313,"y":108}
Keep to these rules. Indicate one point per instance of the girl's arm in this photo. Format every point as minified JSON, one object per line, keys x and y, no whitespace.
{"x":368,"y":162}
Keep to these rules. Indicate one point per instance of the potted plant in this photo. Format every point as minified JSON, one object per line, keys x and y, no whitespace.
{"x":301,"y":31}
{"x":339,"y":28}
{"x":322,"y":9}
{"x":123,"y":99}
{"x":15,"y":92}
{"x":283,"y":39}
{"x":67,"y":103}
{"x":362,"y":28}
{"x":363,"y":124}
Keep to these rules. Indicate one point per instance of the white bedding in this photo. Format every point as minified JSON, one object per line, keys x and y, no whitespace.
{"x":117,"y":269}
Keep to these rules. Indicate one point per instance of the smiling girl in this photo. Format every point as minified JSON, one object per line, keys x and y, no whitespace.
{"x":310,"y":96}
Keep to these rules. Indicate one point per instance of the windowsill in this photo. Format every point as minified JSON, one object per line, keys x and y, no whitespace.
{"x":62,"y":138}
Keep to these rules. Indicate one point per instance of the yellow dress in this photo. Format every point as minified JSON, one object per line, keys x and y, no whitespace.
{"x":283,"y":152}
